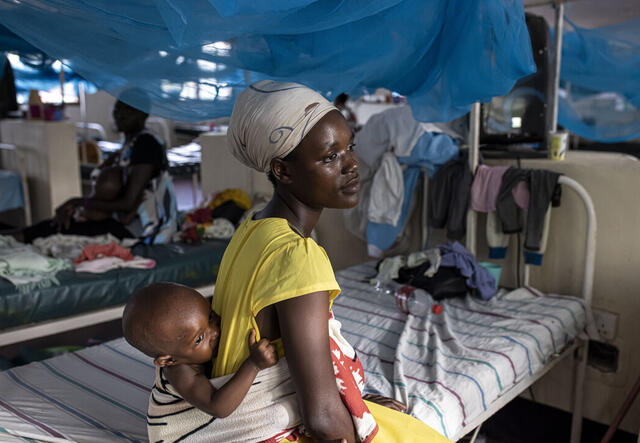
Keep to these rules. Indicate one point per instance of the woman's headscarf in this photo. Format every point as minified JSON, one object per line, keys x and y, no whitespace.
{"x":270,"y":119}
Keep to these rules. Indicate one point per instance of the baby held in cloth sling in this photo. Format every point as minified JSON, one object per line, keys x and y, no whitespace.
{"x":175,"y":325}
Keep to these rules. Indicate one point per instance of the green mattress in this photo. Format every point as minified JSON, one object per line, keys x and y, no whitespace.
{"x":81,"y":292}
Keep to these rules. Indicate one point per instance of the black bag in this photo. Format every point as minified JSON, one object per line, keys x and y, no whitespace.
{"x":446,"y":283}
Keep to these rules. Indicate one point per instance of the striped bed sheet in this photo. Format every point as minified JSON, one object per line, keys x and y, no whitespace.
{"x":447,"y":368}
{"x":98,"y":394}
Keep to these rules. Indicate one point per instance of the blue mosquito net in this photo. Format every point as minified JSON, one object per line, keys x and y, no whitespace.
{"x":193,"y":57}
{"x":33,"y":69}
{"x":599,"y":97}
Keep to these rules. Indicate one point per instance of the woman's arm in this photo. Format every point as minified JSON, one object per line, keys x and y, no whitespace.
{"x":305,"y":335}
{"x":137,"y":181}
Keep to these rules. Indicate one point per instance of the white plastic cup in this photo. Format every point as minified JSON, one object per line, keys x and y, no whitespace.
{"x":559,"y":144}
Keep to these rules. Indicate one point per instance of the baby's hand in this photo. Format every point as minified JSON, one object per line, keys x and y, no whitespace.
{"x":263,"y":353}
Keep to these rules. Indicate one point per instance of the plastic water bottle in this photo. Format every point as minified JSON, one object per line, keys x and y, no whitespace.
{"x":408,"y":299}
{"x":412,"y":300}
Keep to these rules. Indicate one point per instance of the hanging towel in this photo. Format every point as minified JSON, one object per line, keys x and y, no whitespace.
{"x":387,"y":192}
{"x":486,"y":188}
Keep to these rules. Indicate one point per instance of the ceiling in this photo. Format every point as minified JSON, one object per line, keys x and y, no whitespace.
{"x":589,"y":13}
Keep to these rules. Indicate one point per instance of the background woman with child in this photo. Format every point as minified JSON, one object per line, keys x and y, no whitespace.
{"x":127,"y":184}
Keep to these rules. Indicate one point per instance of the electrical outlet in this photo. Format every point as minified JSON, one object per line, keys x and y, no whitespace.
{"x":606,"y":322}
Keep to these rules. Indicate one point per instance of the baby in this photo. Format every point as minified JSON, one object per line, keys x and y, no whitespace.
{"x":107,"y":187}
{"x":175,"y":325}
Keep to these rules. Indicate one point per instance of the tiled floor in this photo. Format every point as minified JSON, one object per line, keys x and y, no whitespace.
{"x":523,"y":421}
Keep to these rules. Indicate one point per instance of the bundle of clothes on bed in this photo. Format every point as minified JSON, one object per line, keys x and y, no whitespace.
{"x":30,"y":267}
{"x":446,"y":271}
{"x":216,"y":218}
{"x":35,"y":266}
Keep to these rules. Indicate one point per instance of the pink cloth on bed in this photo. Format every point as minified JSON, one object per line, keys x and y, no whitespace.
{"x":112,"y":249}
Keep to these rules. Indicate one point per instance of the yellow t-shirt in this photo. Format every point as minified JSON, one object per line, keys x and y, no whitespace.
{"x":266,"y":262}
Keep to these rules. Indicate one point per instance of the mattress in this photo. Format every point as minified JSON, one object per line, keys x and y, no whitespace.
{"x":81,"y":292}
{"x":98,"y":394}
{"x":448,"y":368}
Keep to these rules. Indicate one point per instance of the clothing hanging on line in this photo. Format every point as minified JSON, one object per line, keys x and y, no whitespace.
{"x":541,"y":190}
{"x":449,"y":192}
{"x":486,"y":187}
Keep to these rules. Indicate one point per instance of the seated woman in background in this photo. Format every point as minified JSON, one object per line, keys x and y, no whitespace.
{"x":275,"y":279}
{"x":128,"y":187}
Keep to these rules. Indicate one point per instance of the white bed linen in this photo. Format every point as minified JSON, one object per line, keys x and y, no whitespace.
{"x":98,"y":394}
{"x":448,"y":368}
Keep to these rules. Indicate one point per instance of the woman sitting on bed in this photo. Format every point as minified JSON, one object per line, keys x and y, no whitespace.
{"x":129,"y":184}
{"x":275,"y":279}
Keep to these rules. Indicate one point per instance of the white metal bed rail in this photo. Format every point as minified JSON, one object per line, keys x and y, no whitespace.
{"x":590,"y":246}
{"x":581,"y":346}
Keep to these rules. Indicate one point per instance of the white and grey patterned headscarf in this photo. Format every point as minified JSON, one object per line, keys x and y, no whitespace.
{"x":270,"y":119}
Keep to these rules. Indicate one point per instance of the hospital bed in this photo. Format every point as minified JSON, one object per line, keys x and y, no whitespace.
{"x":453,"y":370}
{"x":456,"y":370}
{"x":83,"y":299}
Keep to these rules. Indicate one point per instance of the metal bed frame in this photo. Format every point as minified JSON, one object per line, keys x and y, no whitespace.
{"x":580,"y":346}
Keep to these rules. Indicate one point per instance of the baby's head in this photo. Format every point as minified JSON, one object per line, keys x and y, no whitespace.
{"x":171,"y":323}
{"x":109,"y":184}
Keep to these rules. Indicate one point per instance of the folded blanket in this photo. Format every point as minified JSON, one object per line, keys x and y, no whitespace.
{"x":27,"y":269}
{"x":270,"y":410}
